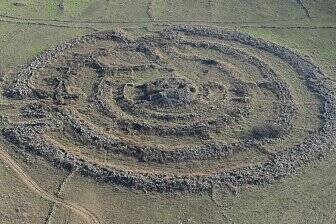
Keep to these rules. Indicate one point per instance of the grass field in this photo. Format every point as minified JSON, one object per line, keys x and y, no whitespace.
{"x":28,"y":27}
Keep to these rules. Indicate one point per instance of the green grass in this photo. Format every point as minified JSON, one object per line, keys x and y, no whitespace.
{"x":75,"y":8}
{"x":227,"y":11}
{"x":175,"y":10}
{"x":33,"y":8}
{"x":116,"y":10}
{"x":308,"y":197}
{"x":32,"y":41}
{"x":18,"y":203}
{"x":318,"y":44}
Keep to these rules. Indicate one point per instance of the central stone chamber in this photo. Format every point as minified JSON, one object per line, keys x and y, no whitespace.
{"x":170,"y":92}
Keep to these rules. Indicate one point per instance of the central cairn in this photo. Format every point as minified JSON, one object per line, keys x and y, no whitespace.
{"x":171,"y":92}
{"x":180,"y":109}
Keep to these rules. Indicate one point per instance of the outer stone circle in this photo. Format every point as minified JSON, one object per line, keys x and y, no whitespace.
{"x":167,"y":92}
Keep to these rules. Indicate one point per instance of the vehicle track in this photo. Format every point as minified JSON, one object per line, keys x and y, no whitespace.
{"x":135,"y":21}
{"x":81,"y":211}
{"x":62,"y":24}
{"x":46,"y":24}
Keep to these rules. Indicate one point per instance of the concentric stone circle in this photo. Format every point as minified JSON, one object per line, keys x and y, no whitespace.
{"x":182,"y":108}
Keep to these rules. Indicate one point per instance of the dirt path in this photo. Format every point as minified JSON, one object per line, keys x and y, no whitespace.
{"x":89,"y":217}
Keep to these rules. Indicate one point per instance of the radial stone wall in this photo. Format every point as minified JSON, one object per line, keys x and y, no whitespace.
{"x":179,"y":109}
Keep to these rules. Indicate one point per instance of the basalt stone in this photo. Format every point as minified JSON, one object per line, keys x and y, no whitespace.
{"x":162,"y":110}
